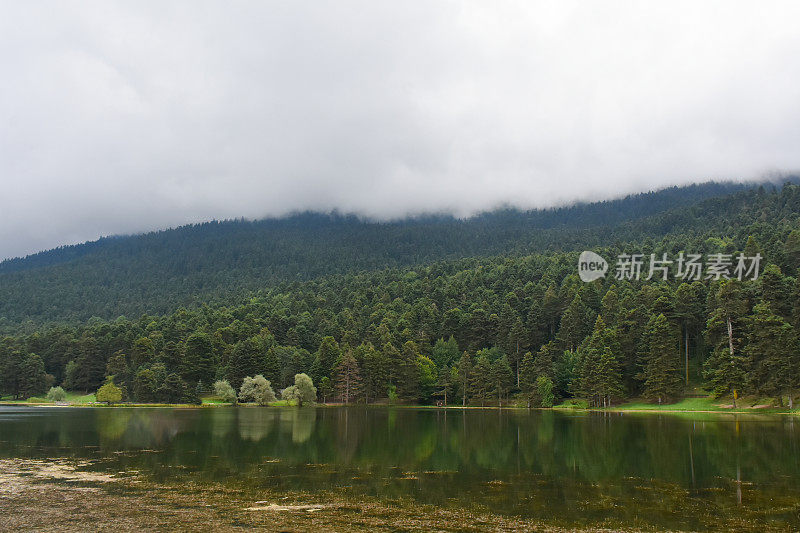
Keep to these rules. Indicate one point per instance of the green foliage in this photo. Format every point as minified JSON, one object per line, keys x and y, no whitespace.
{"x":249,"y":357}
{"x":173,"y":390}
{"x":428,"y":376}
{"x":70,"y":373}
{"x":325,"y":389}
{"x":481,"y":329}
{"x":662,"y":379}
{"x":502,"y":378}
{"x":109,"y":393}
{"x":256,"y":389}
{"x":56,"y":394}
{"x":326,"y":357}
{"x":464,"y":373}
{"x":726,"y":369}
{"x":481,"y":384}
{"x":374,"y":366}
{"x":445,"y":352}
{"x":544,"y":389}
{"x":348,"y":378}
{"x":158,"y":272}
{"x":32,"y":376}
{"x":599,"y":369}
{"x":772,"y":351}
{"x":444,"y":383}
{"x":199,"y":361}
{"x":303,"y":391}
{"x":224,"y":391}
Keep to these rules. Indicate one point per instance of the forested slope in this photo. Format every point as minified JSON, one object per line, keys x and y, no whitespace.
{"x":484,"y":329}
{"x":213,"y":262}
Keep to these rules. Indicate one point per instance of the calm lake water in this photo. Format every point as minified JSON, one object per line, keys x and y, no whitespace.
{"x":633,"y":470}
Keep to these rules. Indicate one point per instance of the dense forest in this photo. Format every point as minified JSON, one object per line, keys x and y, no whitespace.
{"x":511,"y":328}
{"x":212,"y":263}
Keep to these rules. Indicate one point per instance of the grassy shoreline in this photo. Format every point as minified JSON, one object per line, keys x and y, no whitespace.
{"x":705,"y":405}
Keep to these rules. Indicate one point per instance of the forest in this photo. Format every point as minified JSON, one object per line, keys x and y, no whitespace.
{"x":217,"y":262}
{"x":512,"y":328}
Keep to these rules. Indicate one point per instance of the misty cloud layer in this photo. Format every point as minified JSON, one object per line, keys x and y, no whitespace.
{"x":124,"y":117}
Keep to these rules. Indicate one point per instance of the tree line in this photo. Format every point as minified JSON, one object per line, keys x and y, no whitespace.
{"x":475,"y":331}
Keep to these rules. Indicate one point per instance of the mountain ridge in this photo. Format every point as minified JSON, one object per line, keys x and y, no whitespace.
{"x":160,"y":271}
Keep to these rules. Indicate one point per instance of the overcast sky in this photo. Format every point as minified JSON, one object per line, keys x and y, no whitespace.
{"x":120,"y":117}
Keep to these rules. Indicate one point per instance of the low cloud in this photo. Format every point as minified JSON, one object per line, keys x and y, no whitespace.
{"x":122,"y":117}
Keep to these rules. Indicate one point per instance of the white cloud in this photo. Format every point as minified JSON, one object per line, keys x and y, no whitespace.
{"x":123,"y":117}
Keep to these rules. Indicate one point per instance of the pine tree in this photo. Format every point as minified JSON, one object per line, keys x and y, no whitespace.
{"x":32,"y":377}
{"x":726,"y":369}
{"x":348,"y":378}
{"x":610,"y":307}
{"x":502,"y":377}
{"x":481,"y":384}
{"x":662,"y":376}
{"x":599,"y":369}
{"x":690,"y":315}
{"x":776,"y":291}
{"x":792,"y":250}
{"x":444,"y":384}
{"x":325,"y":359}
{"x":10,"y":369}
{"x":772,"y":351}
{"x":573,"y":327}
{"x":609,"y":385}
{"x":408,"y":386}
{"x":199,"y":360}
{"x":373,"y":368}
{"x":445,"y":353}
{"x":528,"y":378}
{"x":464,"y":375}
{"x":247,"y":359}
{"x":325,"y":388}
{"x":517,"y":342}
{"x":544,"y":361}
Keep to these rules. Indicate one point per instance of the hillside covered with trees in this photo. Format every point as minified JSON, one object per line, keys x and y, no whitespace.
{"x":218,"y":261}
{"x":513,"y":327}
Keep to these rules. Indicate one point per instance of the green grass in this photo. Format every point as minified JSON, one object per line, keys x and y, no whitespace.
{"x":687,"y":404}
{"x":72,"y":398}
{"x":212,"y":400}
{"x":572,"y":403}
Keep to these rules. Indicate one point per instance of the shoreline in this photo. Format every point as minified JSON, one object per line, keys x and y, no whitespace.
{"x":621,"y":409}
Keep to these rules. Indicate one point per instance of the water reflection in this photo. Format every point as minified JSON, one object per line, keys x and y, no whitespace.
{"x":636,"y":469}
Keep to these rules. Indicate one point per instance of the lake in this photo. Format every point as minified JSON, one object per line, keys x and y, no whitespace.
{"x":693,"y":471}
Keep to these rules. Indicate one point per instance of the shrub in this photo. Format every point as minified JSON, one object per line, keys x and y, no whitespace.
{"x":256,"y":389}
{"x":109,"y":393}
{"x":224,"y":391}
{"x":56,"y":394}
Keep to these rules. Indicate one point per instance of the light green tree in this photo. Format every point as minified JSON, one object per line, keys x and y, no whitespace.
{"x":56,"y":394}
{"x":303,"y":391}
{"x":325,"y":388}
{"x":224,"y":391}
{"x":109,"y":393}
{"x":544,"y":389}
{"x":256,"y":389}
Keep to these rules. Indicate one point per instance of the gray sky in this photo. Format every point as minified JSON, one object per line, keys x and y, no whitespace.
{"x":125,"y":117}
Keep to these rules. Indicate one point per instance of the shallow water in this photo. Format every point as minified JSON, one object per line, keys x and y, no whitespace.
{"x":624,"y":470}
